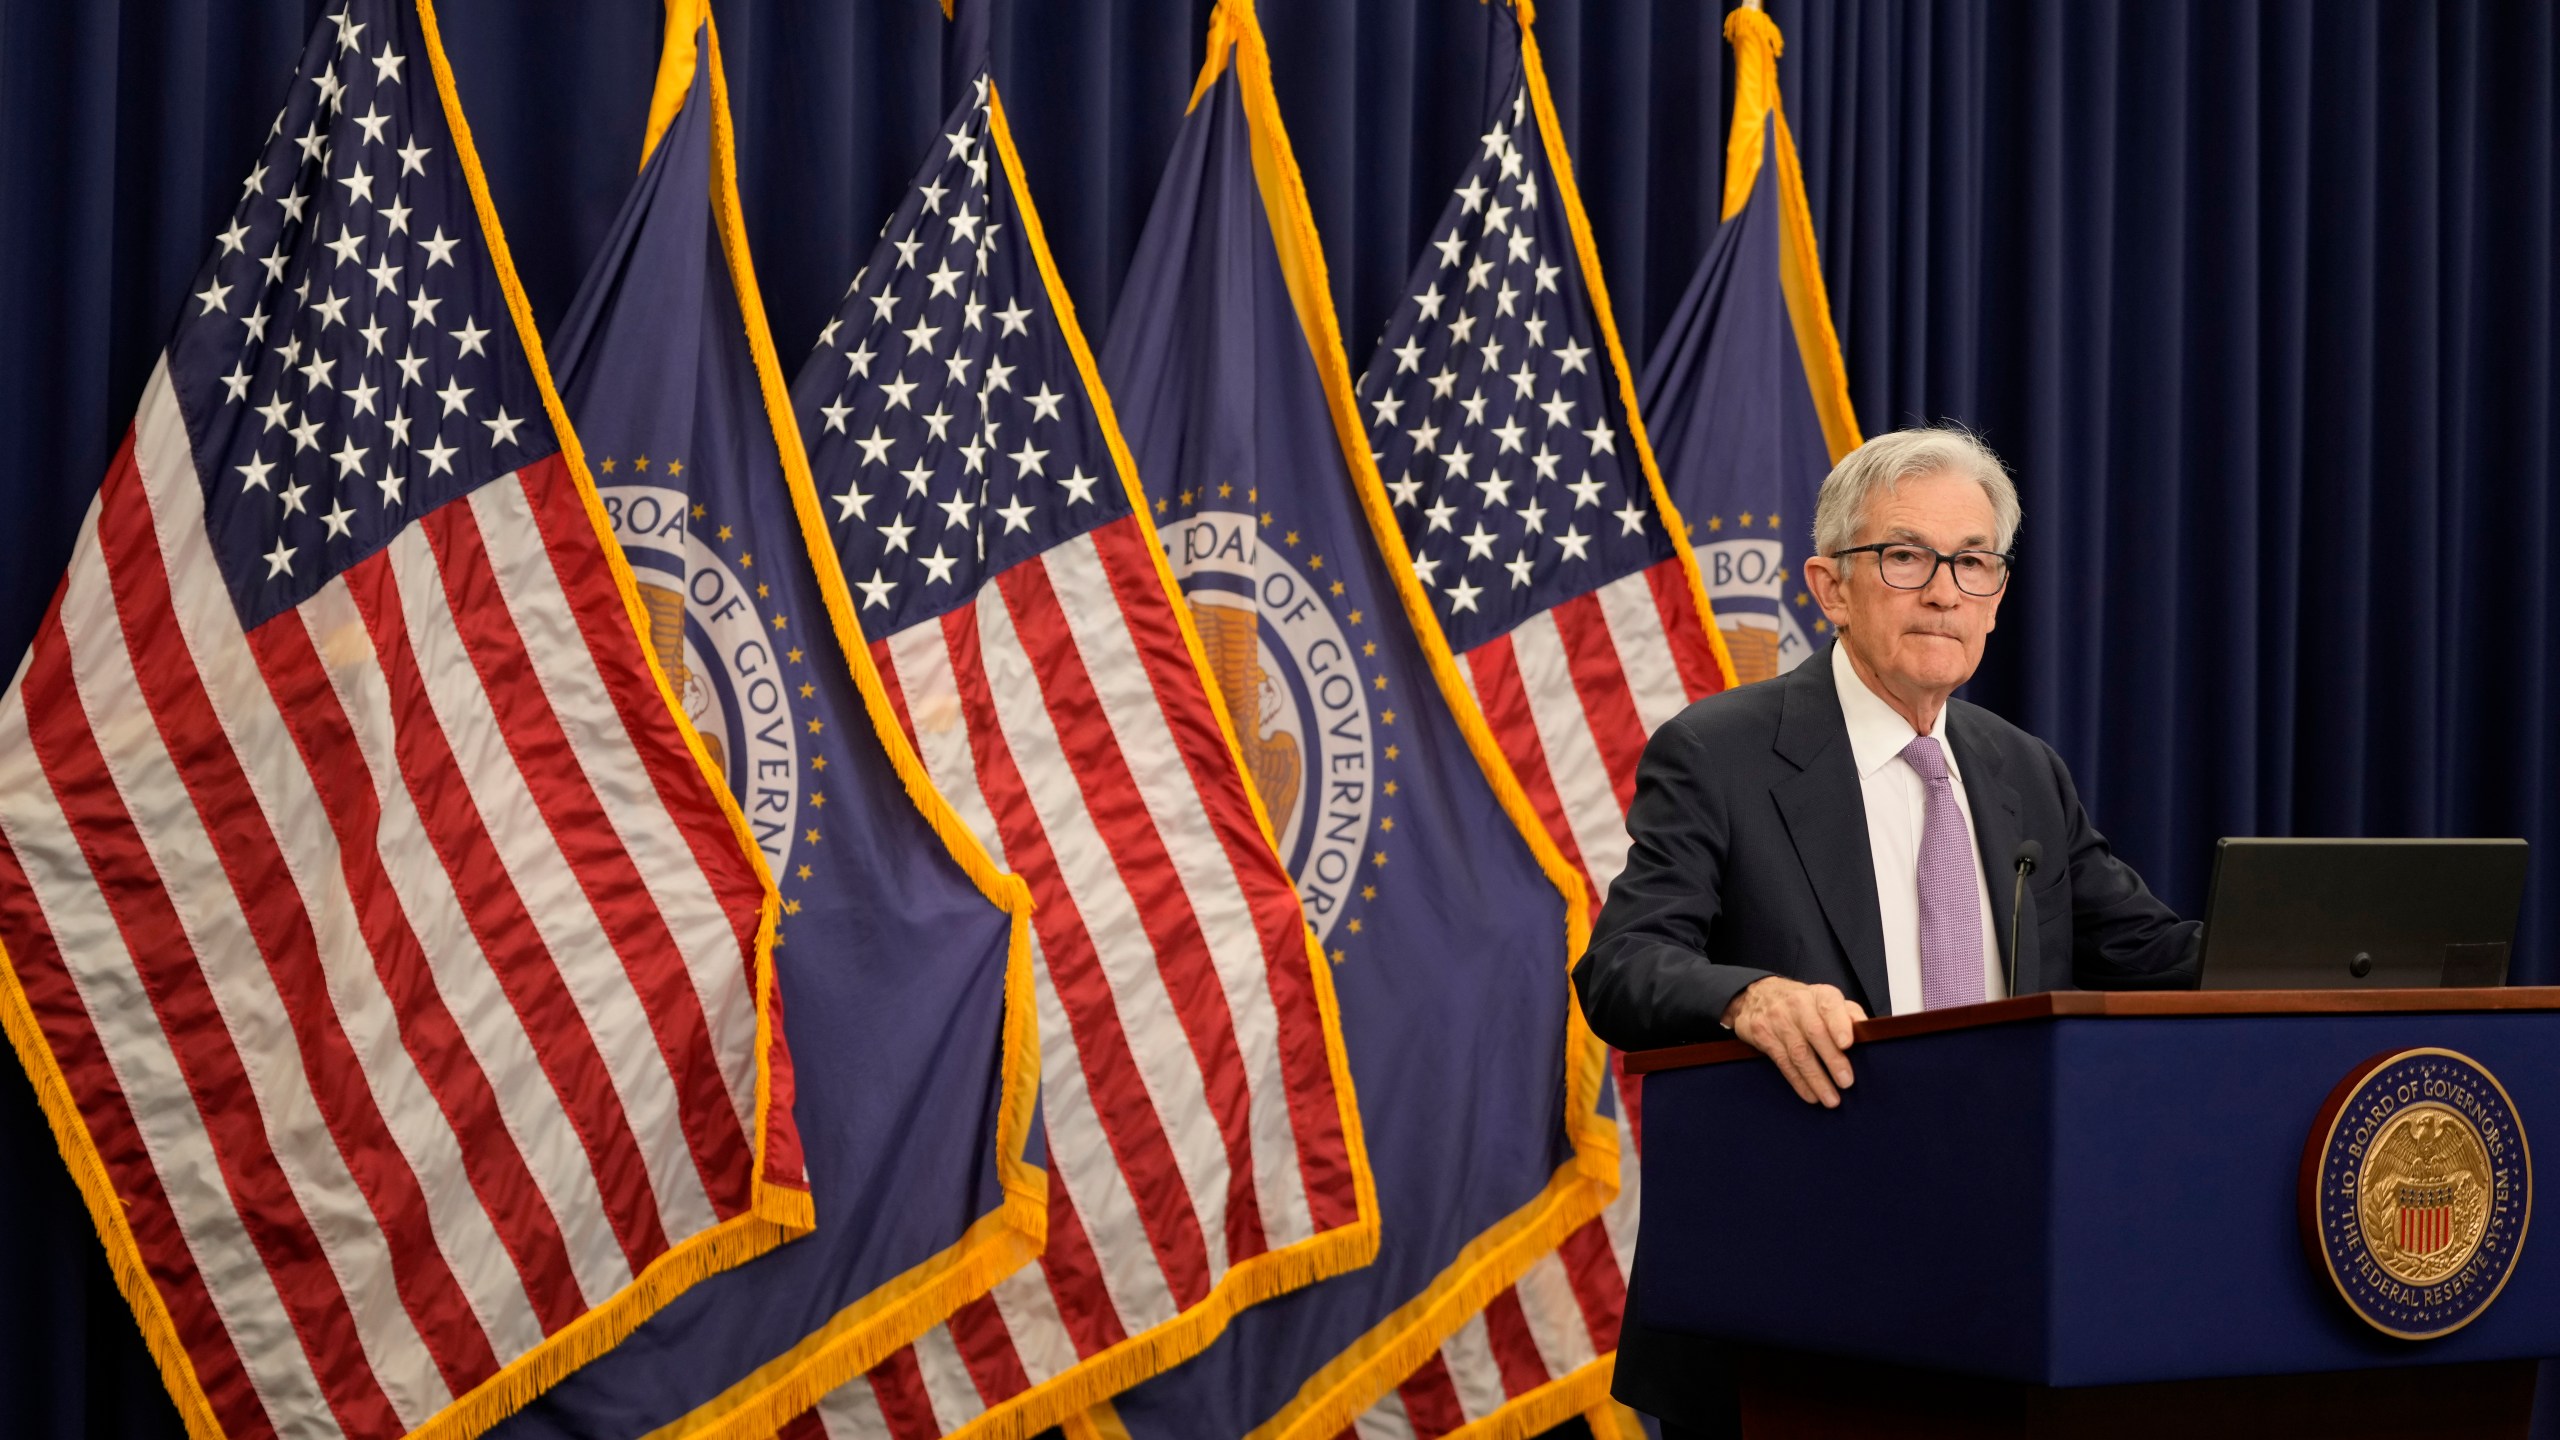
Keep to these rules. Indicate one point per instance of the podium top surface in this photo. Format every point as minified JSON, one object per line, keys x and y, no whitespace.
{"x":2150,"y":1004}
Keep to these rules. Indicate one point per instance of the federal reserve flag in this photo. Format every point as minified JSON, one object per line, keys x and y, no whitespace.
{"x":905,"y":953}
{"x":388,"y":958}
{"x":1449,"y":918}
{"x":1197,"y":1107}
{"x":1746,"y":396}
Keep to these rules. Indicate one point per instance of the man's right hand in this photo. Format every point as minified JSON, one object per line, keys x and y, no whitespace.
{"x":1802,"y":1027}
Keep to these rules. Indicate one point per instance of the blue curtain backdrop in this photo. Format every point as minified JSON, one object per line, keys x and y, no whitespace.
{"x":2258,"y":299}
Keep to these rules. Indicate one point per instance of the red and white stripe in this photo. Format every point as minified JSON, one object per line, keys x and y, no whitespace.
{"x":1572,"y":692}
{"x":397,"y":953}
{"x":1559,"y":1318}
{"x":2426,"y":1229}
{"x":1191,"y":1117}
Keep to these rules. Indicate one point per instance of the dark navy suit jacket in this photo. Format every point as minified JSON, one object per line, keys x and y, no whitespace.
{"x":1750,"y":859}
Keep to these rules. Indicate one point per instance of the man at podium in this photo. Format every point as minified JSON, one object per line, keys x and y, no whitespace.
{"x":1847,"y":840}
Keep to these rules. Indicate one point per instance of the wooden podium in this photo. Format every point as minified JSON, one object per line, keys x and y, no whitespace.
{"x":2074,"y":1213}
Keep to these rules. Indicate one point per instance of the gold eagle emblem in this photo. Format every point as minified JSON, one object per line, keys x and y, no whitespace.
{"x":2421,"y":1195}
{"x":1273,"y":762}
{"x":1754,"y":649}
{"x":665,"y":609}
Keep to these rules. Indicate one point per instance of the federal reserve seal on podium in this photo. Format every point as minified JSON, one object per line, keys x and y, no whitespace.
{"x":2416,"y":1188}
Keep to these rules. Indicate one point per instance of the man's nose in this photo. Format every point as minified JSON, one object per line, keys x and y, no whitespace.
{"x":1941,"y":591}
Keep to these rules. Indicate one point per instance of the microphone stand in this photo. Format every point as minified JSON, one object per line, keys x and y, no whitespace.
{"x":2030,"y":854}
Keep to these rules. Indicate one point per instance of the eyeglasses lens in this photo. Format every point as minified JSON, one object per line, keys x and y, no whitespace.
{"x":1977,"y":572}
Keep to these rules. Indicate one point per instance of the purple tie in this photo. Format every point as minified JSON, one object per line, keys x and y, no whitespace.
{"x":1950,"y":895}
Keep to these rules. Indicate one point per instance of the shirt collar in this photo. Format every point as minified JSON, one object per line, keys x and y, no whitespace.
{"x":1877,"y":732}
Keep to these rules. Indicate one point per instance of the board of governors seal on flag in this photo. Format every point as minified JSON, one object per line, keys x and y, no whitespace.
{"x":2416,"y":1188}
{"x":1291,"y":677}
{"x":711,"y":638}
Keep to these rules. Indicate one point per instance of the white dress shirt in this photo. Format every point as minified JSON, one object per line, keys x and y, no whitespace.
{"x":1897,"y":808}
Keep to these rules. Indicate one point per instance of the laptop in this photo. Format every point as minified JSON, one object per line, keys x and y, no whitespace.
{"x":2286,"y":914}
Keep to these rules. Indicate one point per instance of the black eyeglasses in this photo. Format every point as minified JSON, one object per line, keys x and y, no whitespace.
{"x":1904,"y":566}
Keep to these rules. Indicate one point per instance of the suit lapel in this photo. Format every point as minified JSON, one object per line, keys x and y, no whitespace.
{"x":1826,"y":817}
{"x":1997,"y":830}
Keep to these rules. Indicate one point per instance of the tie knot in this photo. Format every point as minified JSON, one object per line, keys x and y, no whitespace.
{"x":1923,"y":755}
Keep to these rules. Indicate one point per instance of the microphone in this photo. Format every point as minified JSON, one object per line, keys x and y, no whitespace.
{"x":2030,"y":854}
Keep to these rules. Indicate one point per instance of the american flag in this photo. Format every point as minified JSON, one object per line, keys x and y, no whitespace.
{"x":1193,"y":1094}
{"x":1502,"y":417}
{"x":1747,"y":400}
{"x":386,"y":960}
{"x":1502,"y":413}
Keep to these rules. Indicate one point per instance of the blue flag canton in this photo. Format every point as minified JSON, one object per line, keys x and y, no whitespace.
{"x":950,"y":432}
{"x":347,"y":361}
{"x":1494,"y":410}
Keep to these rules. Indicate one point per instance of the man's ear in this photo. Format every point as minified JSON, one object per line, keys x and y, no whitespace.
{"x":1822,"y":574}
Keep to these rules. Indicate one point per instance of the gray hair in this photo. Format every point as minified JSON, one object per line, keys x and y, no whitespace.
{"x":1884,"y":462}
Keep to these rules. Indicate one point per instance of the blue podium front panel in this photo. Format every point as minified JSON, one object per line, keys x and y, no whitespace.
{"x":2076,"y":1201}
